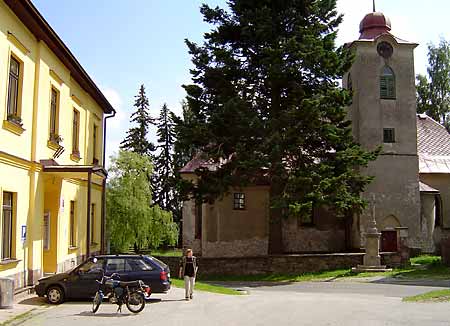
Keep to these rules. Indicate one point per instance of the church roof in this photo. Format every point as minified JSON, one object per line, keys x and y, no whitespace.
{"x":432,"y":137}
{"x":426,"y":188}
{"x":433,"y":146}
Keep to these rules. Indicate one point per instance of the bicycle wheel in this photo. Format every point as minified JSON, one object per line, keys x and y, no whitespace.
{"x":135,"y":302}
{"x":96,"y":302}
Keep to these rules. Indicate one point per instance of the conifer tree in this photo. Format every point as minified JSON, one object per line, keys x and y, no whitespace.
{"x":266,"y":104}
{"x":136,"y":139}
{"x":164,"y":164}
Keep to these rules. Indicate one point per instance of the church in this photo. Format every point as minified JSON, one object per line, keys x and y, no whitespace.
{"x":409,"y":197}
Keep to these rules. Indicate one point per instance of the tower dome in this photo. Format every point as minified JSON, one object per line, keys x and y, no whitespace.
{"x":373,"y":25}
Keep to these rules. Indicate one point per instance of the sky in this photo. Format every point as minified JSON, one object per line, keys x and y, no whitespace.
{"x":125,"y":43}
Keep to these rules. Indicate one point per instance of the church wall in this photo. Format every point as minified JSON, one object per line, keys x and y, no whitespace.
{"x":441,"y":182}
{"x":327,"y":234}
{"x":232,"y":233}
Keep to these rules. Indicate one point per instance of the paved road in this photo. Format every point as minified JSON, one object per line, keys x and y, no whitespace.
{"x":327,"y":303}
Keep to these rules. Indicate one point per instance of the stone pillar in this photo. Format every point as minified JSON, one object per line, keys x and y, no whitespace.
{"x":372,"y":259}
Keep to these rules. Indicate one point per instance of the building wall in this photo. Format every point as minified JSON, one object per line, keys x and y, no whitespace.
{"x":441,"y":182}
{"x":395,"y":190}
{"x":229,"y":232}
{"x":22,"y":149}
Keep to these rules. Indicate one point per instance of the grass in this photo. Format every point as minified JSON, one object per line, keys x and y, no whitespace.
{"x":422,"y":267}
{"x":166,"y":253}
{"x":433,"y":296}
{"x":200,"y":286}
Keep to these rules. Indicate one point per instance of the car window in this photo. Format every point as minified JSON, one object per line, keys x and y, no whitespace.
{"x":158,"y":262}
{"x":91,"y":267}
{"x":137,"y":265}
{"x":115,"y":265}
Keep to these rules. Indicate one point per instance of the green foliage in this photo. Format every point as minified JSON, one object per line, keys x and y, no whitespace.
{"x":131,"y":219}
{"x":433,"y":92}
{"x":266,"y":105}
{"x":136,"y":139}
{"x":164,"y":177}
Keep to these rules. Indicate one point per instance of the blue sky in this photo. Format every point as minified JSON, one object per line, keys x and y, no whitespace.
{"x":125,"y":43}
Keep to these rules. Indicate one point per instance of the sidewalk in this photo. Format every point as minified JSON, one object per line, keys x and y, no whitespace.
{"x":24,"y":304}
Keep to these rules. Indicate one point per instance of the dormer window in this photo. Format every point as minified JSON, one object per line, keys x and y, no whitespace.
{"x":387,"y":84}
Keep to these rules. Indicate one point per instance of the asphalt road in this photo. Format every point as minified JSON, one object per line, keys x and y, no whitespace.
{"x":325,"y":303}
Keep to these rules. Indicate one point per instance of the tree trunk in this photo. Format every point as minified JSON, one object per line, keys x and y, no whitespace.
{"x":275,"y":222}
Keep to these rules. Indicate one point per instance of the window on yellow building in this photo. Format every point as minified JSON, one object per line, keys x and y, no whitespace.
{"x":73,"y":235}
{"x":54,"y":100}
{"x":92,"y":223}
{"x":94,"y":145}
{"x":76,"y":133}
{"x":7,"y":225}
{"x":13,"y":91}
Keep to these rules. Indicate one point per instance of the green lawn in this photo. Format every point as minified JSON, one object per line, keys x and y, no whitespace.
{"x":433,"y":296}
{"x":199,"y":286}
{"x":422,"y":267}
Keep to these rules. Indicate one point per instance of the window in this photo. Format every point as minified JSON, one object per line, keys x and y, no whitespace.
{"x":137,"y":265}
{"x":387,"y":84}
{"x":76,"y":133}
{"x":198,"y":220}
{"x":13,"y":89}
{"x":239,"y":200}
{"x":438,"y":210}
{"x":73,"y":240}
{"x":115,"y":265}
{"x":46,"y":231}
{"x":91,"y":267}
{"x":94,"y":145}
{"x":54,"y":115}
{"x":92,"y":221}
{"x":309,"y":219}
{"x":388,"y":135}
{"x":7,"y":225}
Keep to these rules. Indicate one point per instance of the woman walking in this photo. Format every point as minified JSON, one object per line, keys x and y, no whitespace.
{"x":188,"y":270}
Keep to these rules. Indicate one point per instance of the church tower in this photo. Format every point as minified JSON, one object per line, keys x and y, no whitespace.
{"x":383,"y":113}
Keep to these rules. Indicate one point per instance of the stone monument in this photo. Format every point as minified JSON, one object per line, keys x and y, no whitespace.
{"x":372,"y":259}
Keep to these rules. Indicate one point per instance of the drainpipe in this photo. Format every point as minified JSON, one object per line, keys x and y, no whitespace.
{"x":88,"y":213}
{"x":103,"y":221}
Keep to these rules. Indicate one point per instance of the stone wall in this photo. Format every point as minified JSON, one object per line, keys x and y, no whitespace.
{"x":236,"y":248}
{"x":282,"y":264}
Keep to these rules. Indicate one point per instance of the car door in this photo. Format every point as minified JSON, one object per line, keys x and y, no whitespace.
{"x":81,"y":283}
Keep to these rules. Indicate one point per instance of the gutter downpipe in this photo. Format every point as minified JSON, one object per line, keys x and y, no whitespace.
{"x":103,"y":221}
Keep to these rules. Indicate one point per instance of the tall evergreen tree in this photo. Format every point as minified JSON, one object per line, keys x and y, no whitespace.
{"x":433,"y":93}
{"x":136,"y":139}
{"x":266,"y":104}
{"x":164,"y":164}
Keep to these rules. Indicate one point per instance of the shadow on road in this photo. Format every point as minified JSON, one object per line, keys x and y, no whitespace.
{"x":103,"y":314}
{"x":412,"y":282}
{"x":34,"y":301}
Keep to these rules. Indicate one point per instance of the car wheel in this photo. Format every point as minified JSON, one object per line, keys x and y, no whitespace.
{"x":55,"y":295}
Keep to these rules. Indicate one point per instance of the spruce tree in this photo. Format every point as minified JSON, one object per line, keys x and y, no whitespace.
{"x":164,"y":164}
{"x":136,"y":139}
{"x":266,"y":104}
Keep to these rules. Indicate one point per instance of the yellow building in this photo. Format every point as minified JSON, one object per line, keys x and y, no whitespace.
{"x":52,"y":118}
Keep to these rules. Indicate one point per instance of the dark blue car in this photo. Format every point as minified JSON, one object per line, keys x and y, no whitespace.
{"x":80,"y":282}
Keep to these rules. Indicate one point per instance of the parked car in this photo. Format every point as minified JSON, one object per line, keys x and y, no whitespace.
{"x":80,"y":281}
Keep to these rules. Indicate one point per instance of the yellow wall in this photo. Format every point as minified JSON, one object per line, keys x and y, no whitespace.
{"x":22,"y":150}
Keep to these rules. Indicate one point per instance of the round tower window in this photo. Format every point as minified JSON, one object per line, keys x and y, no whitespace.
{"x":385,"y":49}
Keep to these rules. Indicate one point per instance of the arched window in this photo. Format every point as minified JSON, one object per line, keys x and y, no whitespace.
{"x":387,"y":84}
